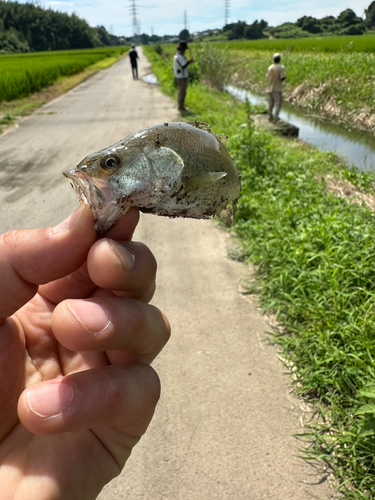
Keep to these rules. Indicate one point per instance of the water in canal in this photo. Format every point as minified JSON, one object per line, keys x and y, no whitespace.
{"x":356,"y":147}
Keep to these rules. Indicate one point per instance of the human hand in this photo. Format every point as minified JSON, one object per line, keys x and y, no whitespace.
{"x":76,"y":388}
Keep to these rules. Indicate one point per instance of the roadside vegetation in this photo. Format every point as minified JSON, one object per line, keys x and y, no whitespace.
{"x":24,"y":78}
{"x":332,"y":78}
{"x":313,"y":253}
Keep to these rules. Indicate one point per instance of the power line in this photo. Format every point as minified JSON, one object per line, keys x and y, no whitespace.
{"x":226,"y":11}
{"x":133,"y":13}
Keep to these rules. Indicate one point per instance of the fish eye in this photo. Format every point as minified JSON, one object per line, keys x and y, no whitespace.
{"x":110,"y":162}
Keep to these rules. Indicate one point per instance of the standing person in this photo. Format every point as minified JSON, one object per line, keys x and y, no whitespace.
{"x":275,"y":77}
{"x":181,"y":72}
{"x":133,"y":61}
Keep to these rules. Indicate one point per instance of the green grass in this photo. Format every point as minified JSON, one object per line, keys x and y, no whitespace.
{"x":342,"y":44}
{"x":337,"y":85}
{"x":23,"y":74}
{"x":314,"y":256}
{"x":344,"y":81}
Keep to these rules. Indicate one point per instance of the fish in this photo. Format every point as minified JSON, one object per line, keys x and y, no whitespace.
{"x":175,"y":169}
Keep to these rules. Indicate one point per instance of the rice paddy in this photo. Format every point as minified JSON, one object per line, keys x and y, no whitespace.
{"x":23,"y":74}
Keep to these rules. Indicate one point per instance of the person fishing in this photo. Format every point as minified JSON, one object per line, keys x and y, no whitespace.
{"x":133,"y":62}
{"x":181,"y":73}
{"x":275,"y":77}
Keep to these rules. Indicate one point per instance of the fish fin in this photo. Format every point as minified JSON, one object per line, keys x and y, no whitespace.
{"x":203,"y":126}
{"x":222,"y":138}
{"x":200,"y":125}
{"x":201,"y":179}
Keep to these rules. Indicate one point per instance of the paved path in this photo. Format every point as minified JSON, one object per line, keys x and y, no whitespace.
{"x":224,"y":425}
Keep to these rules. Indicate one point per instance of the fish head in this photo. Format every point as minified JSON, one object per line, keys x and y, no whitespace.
{"x":94,"y":181}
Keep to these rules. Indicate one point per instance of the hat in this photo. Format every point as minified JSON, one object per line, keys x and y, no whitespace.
{"x":277,"y":57}
{"x":183,"y":44}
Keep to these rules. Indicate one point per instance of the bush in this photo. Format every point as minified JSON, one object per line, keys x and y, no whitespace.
{"x":214,"y":65}
{"x":158,"y":49}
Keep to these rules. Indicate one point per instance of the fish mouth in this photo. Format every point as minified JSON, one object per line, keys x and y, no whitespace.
{"x":99,"y":195}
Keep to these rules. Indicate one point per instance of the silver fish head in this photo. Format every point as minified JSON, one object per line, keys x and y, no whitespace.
{"x":95,"y":182}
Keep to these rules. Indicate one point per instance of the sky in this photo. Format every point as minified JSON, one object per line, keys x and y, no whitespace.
{"x":166,"y":17}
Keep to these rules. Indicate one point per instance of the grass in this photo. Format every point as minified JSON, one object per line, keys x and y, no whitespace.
{"x":335,"y":85}
{"x":335,"y":44}
{"x":12,"y":110}
{"x":314,"y":257}
{"x":24,"y":74}
{"x":348,"y":79}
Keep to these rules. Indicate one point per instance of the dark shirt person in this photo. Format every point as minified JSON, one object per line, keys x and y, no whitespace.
{"x":133,"y":62}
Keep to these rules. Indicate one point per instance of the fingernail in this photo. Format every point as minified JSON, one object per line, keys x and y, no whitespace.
{"x":50,"y":399}
{"x":69,"y":222}
{"x":124,"y":254}
{"x":94,"y":317}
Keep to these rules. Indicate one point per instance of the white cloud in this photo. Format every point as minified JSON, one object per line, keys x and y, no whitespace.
{"x":165,"y":17}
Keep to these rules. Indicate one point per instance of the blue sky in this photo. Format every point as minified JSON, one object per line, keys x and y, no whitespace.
{"x":167,"y":17}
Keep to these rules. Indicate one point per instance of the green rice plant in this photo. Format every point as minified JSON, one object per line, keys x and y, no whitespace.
{"x":344,"y":44}
{"x":23,"y":74}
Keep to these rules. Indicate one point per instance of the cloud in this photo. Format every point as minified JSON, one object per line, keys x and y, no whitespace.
{"x":166,"y":17}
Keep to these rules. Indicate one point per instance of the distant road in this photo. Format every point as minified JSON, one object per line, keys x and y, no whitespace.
{"x":224,"y":425}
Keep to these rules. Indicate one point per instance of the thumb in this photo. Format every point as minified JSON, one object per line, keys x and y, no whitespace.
{"x":30,"y":258}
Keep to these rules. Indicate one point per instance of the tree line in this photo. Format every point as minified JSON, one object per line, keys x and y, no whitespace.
{"x":346,"y":23}
{"x":28,"y":28}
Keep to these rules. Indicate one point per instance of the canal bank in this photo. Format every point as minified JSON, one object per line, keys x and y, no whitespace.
{"x":356,"y":147}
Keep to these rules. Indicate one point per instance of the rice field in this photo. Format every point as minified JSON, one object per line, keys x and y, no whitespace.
{"x":23,"y":74}
{"x":353,"y":43}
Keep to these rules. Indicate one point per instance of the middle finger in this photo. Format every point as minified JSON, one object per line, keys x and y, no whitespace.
{"x":138,"y":330}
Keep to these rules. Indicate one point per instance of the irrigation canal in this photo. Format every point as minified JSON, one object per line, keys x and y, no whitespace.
{"x":356,"y":147}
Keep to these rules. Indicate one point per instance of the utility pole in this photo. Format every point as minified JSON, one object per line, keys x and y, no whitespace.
{"x":226,"y":11}
{"x":185,"y":20}
{"x":133,"y":13}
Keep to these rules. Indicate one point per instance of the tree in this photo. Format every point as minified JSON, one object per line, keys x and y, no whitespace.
{"x":184,"y":35}
{"x":255,"y":31}
{"x":235,"y":30}
{"x":309,"y":24}
{"x":27,"y":27}
{"x":350,"y":23}
{"x":328,"y":23}
{"x":370,"y":16}
{"x":347,"y":18}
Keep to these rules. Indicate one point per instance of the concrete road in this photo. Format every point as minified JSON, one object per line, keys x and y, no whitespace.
{"x":224,"y":426}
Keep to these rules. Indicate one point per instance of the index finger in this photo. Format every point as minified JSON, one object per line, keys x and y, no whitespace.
{"x":79,"y":284}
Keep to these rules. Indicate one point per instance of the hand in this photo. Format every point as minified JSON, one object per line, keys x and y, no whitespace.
{"x":76,"y":388}
{"x":191,"y":60}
